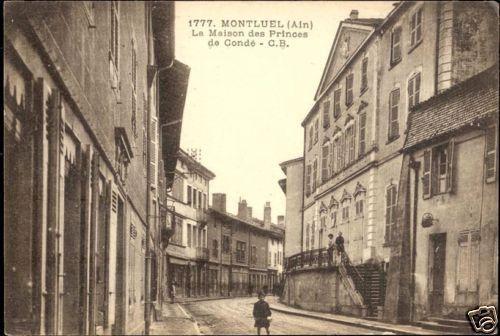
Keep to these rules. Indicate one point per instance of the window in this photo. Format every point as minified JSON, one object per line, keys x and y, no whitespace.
{"x":362,"y":134}
{"x":396,"y":45}
{"x":144,"y":135}
{"x":320,"y":238}
{"x":241,"y":248}
{"x":333,"y":217}
{"x":326,"y":114}
{"x":491,"y":149}
{"x":390,"y":212}
{"x":225,"y":244}
{"x":307,"y":237}
{"x":313,"y":233}
{"x":467,"y":265}
{"x":340,"y":152}
{"x":177,"y":237}
{"x":199,"y":199}
{"x":194,"y":198}
{"x":364,"y":74}
{"x":189,"y":232}
{"x":437,"y":174}
{"x":114,"y":51}
{"x":316,"y":129}
{"x":349,"y":136}
{"x":345,"y":211}
{"x":359,"y":207}
{"x":275,"y":258}
{"x":331,"y":165}
{"x":189,"y":195}
{"x":336,"y":103}
{"x":308,"y":180}
{"x":414,"y":90}
{"x":315,"y":175}
{"x":348,"y":89}
{"x":134,"y":89}
{"x":416,"y":27}
{"x":394,"y":114}
{"x":324,"y":162}
{"x":311,"y":136}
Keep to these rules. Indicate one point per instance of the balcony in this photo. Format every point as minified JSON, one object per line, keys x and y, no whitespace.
{"x":201,"y":217}
{"x":202,"y":253}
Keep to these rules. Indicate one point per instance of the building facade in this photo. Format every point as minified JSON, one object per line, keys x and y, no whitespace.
{"x":85,"y":156}
{"x":187,"y":249}
{"x":453,"y":193}
{"x":376,"y":72}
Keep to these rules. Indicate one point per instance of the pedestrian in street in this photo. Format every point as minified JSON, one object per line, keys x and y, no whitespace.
{"x":331,"y":247}
{"x":172,"y":291}
{"x":262,"y":314}
{"x":339,"y":242}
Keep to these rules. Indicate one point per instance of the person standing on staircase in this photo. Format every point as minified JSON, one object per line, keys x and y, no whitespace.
{"x":339,"y":241}
{"x":331,"y":246}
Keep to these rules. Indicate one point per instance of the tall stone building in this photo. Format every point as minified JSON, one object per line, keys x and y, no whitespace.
{"x":90,"y":88}
{"x":377,"y":71}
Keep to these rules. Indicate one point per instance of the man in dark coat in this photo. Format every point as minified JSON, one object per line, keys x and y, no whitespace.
{"x":262,"y":314}
{"x":339,"y":241}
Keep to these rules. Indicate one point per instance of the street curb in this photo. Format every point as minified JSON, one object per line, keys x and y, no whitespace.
{"x":212,"y":298}
{"x":331,"y":319}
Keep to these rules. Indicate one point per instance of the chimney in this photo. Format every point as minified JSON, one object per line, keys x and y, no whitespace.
{"x":249,"y":213}
{"x":281,"y":220}
{"x":267,"y":214}
{"x":242,"y":209}
{"x":354,"y":14}
{"x":219,"y":202}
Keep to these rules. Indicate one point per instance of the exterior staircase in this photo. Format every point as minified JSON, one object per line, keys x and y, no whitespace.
{"x":365,"y":284}
{"x":441,"y":324}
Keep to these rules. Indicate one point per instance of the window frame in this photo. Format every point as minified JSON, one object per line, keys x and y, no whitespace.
{"x":326,"y":114}
{"x":362,"y":134}
{"x":393,"y":59}
{"x":114,"y":48}
{"x":414,"y":96}
{"x":325,"y":171}
{"x":416,"y":33}
{"x":491,"y":153}
{"x":394,"y":110}
{"x":337,"y":106}
{"x":364,"y":75}
{"x":349,"y":89}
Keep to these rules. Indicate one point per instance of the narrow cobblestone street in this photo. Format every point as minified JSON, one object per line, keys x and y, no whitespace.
{"x":234,"y":316}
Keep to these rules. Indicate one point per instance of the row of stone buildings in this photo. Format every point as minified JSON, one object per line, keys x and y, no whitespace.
{"x":212,"y":252}
{"x":400,"y":155}
{"x":93,"y":106}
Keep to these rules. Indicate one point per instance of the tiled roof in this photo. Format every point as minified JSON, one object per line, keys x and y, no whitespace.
{"x":474,"y":99}
{"x":374,"y":22}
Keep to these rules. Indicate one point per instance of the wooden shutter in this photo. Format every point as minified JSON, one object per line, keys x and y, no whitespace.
{"x":416,"y":94}
{"x":308,"y":180}
{"x":324,"y":163}
{"x":326,"y":114}
{"x":112,"y":200}
{"x":490,"y":160}
{"x":362,"y":134}
{"x":450,"y":166}
{"x":426,"y":177}
{"x":154,"y":152}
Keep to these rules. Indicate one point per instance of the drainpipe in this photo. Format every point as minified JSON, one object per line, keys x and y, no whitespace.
{"x":415,"y":165}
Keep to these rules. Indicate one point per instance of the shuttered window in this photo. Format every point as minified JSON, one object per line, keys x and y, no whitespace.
{"x":414,"y":90}
{"x":396,"y":45}
{"x":189,"y":233}
{"x":364,"y":74}
{"x":491,"y":158}
{"x":189,"y":200}
{"x":307,"y":237}
{"x":416,"y":27}
{"x":394,"y":98}
{"x":349,"y":89}
{"x":326,"y":114}
{"x":311,"y":136}
{"x":426,"y":178}
{"x":336,"y":101}
{"x":362,"y":134}
{"x":154,"y":152}
{"x":467,"y":272}
{"x":324,"y":162}
{"x":331,"y":162}
{"x":338,"y":145}
{"x":308,"y":180}
{"x":316,"y":130}
{"x":390,"y":212}
{"x":315,"y":175}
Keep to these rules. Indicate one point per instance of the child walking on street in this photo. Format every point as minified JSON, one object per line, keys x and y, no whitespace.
{"x":262,"y":314}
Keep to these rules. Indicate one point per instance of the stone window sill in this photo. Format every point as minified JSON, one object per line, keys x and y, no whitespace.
{"x":394,"y":63}
{"x":415,"y":46}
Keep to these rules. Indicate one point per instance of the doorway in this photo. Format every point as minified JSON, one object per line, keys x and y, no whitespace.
{"x":437,"y":263}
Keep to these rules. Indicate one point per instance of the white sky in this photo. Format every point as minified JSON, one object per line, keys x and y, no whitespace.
{"x":244,"y":106}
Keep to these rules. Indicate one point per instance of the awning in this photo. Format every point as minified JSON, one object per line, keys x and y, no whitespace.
{"x":178,"y":261}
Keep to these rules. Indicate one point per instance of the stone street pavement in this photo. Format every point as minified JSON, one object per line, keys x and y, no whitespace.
{"x":234,"y":316}
{"x":174,"y":321}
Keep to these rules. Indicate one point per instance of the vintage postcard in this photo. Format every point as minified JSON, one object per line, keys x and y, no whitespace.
{"x":248,"y":167}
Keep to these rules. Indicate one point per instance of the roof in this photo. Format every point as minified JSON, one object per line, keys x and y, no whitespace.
{"x":282,"y":184}
{"x":195,"y":165}
{"x":173,"y":83}
{"x":284,"y":164}
{"x":374,"y":22}
{"x":254,"y":223}
{"x":454,"y":109}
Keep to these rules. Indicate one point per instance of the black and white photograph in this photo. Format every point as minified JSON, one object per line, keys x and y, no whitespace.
{"x":250,"y":167}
